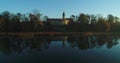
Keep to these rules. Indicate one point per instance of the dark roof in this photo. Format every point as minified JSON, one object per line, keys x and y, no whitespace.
{"x":52,"y":19}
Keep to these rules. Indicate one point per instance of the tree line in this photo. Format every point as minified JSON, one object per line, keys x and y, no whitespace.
{"x":95,"y":23}
{"x":10,"y":22}
{"x":32,"y":22}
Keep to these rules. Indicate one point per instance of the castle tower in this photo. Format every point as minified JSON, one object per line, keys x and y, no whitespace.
{"x":63,"y":15}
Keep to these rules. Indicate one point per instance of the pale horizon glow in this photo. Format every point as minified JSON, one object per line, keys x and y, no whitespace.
{"x":54,"y":8}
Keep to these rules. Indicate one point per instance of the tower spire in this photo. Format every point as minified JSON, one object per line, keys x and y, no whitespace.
{"x":63,"y":15}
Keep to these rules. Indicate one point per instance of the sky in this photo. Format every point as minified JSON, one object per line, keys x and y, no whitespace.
{"x":55,"y":8}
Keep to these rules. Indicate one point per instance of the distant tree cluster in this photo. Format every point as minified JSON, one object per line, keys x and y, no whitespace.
{"x":18,"y":22}
{"x":32,"y":22}
{"x":95,"y":23}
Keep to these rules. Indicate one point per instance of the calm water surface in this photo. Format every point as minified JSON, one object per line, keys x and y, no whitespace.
{"x":102,"y":48}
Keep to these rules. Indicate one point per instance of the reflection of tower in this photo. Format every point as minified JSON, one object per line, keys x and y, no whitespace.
{"x":64,"y":41}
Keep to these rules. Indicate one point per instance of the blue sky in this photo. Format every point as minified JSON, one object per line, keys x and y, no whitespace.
{"x":54,"y":8}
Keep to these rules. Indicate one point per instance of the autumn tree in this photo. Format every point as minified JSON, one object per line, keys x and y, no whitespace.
{"x":103,"y":24}
{"x":36,"y":21}
{"x":110,"y":18}
{"x":2,"y":23}
{"x":6,"y":17}
{"x":93,"y":19}
{"x":83,"y":19}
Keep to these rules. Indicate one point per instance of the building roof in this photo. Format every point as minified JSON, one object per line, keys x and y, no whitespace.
{"x":57,"y":19}
{"x":54,"y":19}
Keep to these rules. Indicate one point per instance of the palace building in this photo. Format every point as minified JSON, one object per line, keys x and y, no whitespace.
{"x":60,"y":21}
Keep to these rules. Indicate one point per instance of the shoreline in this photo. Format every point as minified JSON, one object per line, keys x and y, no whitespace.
{"x":12,"y":33}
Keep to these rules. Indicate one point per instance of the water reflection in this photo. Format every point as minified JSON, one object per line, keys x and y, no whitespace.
{"x":86,"y":42}
{"x":18,"y":44}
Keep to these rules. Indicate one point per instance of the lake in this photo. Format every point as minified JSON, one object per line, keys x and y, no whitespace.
{"x":95,"y":48}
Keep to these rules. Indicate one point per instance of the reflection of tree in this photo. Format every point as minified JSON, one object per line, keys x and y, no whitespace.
{"x":101,"y":39}
{"x":83,"y":43}
{"x":4,"y":45}
{"x":97,"y":40}
{"x":40,"y":44}
{"x":18,"y":44}
{"x":12,"y":44}
{"x":112,"y":40}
